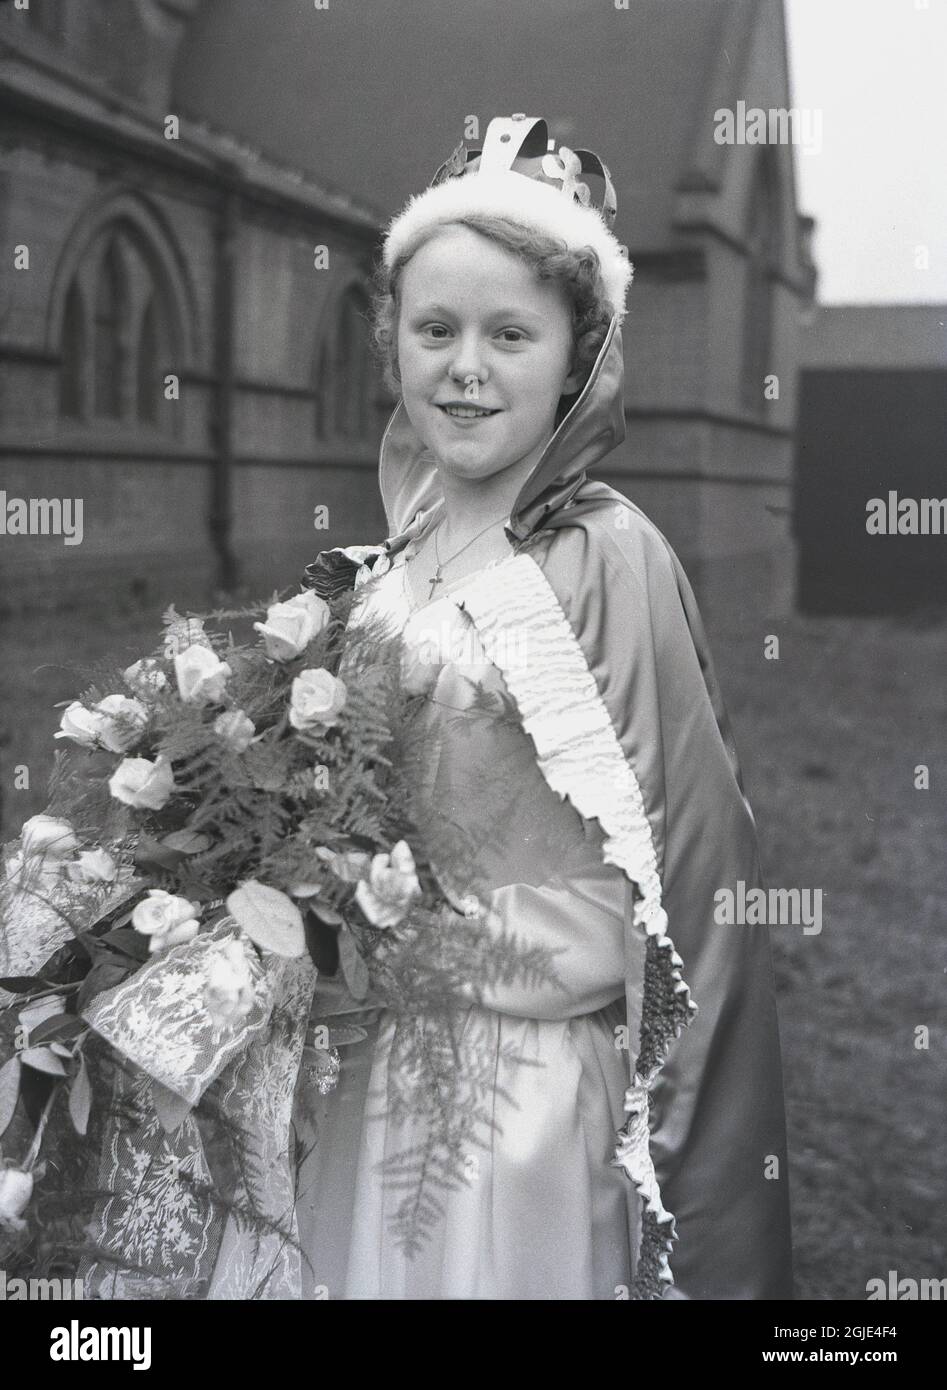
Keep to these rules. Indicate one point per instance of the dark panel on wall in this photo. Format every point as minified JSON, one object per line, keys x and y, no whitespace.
{"x":863,"y":435}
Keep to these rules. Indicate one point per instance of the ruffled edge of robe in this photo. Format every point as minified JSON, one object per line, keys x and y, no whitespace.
{"x":581,"y":758}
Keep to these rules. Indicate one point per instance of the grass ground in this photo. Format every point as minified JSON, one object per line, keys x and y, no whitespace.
{"x":829,"y":736}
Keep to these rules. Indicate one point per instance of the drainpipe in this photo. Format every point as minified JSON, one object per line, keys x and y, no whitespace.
{"x":220,"y":516}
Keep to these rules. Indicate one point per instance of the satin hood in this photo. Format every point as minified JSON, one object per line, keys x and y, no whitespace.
{"x":593,"y":425}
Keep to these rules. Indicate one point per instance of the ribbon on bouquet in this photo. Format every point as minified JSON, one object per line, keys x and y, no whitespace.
{"x":41,"y":909}
{"x":165,"y":1228}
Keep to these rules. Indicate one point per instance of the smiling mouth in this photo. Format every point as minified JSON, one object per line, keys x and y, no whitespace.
{"x":467,"y":412}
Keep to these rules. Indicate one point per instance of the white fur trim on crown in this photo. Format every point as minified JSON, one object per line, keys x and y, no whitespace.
{"x":538,"y":206}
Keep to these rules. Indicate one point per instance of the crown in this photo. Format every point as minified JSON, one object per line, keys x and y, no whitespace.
{"x":519,"y":174}
{"x":522,"y":144}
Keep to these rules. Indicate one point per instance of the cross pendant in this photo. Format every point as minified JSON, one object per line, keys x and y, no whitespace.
{"x":435,"y":580}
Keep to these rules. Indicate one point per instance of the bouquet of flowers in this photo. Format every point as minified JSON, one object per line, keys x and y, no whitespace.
{"x":229,"y":819}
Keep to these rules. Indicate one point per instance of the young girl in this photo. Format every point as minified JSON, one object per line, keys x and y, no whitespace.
{"x":639,"y":1146}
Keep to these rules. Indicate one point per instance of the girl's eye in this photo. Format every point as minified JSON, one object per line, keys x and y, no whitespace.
{"x":512,"y":335}
{"x":437,"y":331}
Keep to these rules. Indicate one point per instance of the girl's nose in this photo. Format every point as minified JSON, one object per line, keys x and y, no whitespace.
{"x":467,"y":365}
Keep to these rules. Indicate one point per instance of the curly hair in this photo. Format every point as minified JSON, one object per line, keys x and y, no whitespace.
{"x":577,"y":272}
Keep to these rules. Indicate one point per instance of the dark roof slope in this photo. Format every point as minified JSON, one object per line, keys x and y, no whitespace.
{"x":372,"y":97}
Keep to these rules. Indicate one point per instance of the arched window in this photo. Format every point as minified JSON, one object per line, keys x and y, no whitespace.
{"x":346,"y":379}
{"x":325,"y":387}
{"x":115,"y":353}
{"x":147,"y":364}
{"x":110,"y":310}
{"x":763,"y":247}
{"x":73,"y":354}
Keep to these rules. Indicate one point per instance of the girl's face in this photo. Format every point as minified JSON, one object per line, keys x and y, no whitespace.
{"x":479,"y":331}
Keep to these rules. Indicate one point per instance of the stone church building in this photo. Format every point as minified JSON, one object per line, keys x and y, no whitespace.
{"x":187,"y":240}
{"x":194,"y":257}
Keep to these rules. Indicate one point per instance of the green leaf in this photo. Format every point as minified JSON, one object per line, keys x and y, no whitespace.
{"x":9,"y":1090}
{"x":80,"y":1098}
{"x":113,"y":908}
{"x":22,"y":984}
{"x":151,"y":855}
{"x":354,"y":969}
{"x":128,"y":941}
{"x":41,"y":1059}
{"x":198,"y":890}
{"x":269,"y":918}
{"x":59,"y":1028}
{"x":325,"y":914}
{"x":121,"y":920}
{"x":100,"y":978}
{"x":187,"y":841}
{"x":345,"y":1035}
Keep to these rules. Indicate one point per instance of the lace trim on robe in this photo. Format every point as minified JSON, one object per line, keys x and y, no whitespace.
{"x":581,"y":758}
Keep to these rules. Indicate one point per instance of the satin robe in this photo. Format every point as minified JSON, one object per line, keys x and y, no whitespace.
{"x":541,"y":1214}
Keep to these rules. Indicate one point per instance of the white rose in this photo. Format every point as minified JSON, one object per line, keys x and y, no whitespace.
{"x":166,"y":919}
{"x":47,"y":837}
{"x":145,"y":676}
{"x":142,"y":783}
{"x":92,"y":866}
{"x":46,"y":842}
{"x":123,"y":721}
{"x":316,"y":700}
{"x":115,"y":723}
{"x":236,"y":728}
{"x":16,"y":1189}
{"x":391,"y":887}
{"x":228,"y":991}
{"x":80,"y":724}
{"x":201,"y":676}
{"x":291,"y":626}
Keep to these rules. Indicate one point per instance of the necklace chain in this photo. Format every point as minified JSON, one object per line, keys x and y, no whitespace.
{"x":439,"y":563}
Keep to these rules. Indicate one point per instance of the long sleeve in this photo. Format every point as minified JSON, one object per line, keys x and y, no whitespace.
{"x":579,"y":918}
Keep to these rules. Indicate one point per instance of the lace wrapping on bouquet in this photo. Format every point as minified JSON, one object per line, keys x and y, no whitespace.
{"x":259,"y":1087}
{"x":157,"y":1018}
{"x":40,"y":909}
{"x":156,"y":1233}
{"x":188,"y":1215}
{"x":527,"y":635}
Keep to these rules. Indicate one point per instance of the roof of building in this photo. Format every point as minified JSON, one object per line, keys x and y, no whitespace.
{"x":874,"y":336}
{"x":373,"y":97}
{"x":77,"y":104}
